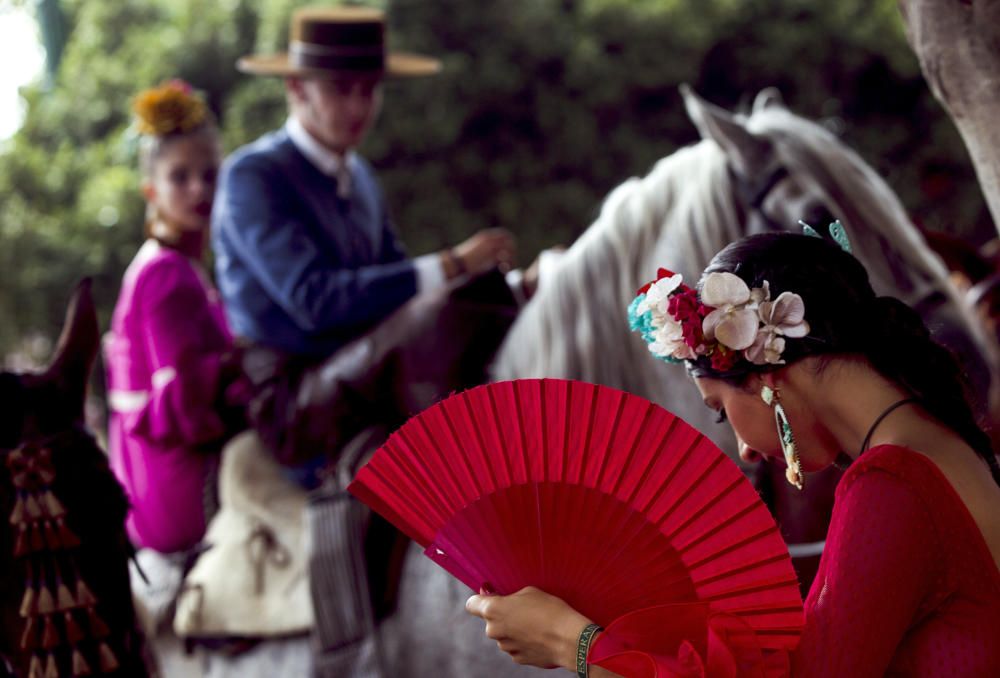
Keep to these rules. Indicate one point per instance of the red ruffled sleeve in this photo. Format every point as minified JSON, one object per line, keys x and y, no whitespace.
{"x":684,"y":640}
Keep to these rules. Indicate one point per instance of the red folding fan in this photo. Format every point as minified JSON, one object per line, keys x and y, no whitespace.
{"x":589,"y":493}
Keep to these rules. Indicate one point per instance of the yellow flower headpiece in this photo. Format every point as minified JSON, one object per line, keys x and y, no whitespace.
{"x":170,"y":108}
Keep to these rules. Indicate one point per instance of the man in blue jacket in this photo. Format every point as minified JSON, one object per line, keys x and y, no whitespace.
{"x":308,"y":263}
{"x":306,"y":255}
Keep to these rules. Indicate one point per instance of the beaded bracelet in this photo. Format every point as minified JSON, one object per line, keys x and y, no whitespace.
{"x":583,"y":648}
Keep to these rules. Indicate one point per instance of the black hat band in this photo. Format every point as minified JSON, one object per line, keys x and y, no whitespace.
{"x":337,"y":58}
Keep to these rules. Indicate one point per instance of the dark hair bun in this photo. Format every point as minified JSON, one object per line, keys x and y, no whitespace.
{"x":891,"y":319}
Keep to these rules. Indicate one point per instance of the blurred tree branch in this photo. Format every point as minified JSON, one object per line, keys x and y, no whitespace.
{"x":958,"y":44}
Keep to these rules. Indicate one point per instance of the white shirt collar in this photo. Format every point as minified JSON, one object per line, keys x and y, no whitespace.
{"x":328,"y":162}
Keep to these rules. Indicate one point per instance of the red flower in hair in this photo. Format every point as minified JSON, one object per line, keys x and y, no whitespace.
{"x":723,"y":359}
{"x":178,"y":84}
{"x":689,"y":312}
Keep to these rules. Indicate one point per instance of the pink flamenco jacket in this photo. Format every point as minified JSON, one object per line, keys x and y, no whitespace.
{"x":164,"y":364}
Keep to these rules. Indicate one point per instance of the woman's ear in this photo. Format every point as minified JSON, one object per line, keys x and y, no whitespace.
{"x":775,"y":379}
{"x":148,"y":192}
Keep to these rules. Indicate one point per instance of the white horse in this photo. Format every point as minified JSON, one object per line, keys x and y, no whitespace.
{"x":749,"y":173}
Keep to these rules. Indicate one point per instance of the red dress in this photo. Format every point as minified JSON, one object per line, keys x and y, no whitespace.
{"x":907,"y":585}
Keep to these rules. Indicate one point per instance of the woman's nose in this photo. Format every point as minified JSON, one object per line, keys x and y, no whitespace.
{"x":748,"y":454}
{"x":201,"y":187}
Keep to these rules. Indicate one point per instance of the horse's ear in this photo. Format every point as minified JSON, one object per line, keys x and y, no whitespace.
{"x":748,"y":153}
{"x":769,"y":97}
{"x":77,"y":346}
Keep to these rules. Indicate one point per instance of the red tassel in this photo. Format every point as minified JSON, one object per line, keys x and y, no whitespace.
{"x":22,"y":546}
{"x":80,"y":665}
{"x":17,"y":515}
{"x":36,"y":540}
{"x":109,"y":662}
{"x":32,"y":507}
{"x":51,"y":667}
{"x":84,"y":596}
{"x":64,"y":598}
{"x":35,"y":668}
{"x":66,"y":536}
{"x":50,"y":634}
{"x":43,"y":466}
{"x":29,"y":601}
{"x":52,"y":504}
{"x":17,"y":464}
{"x":46,"y":604}
{"x":74,"y":634}
{"x":52,"y":541}
{"x":29,"y":637}
{"x":98,"y":629}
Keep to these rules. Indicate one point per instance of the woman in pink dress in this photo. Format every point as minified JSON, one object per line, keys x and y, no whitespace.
{"x":786,"y":339}
{"x":169,"y":352}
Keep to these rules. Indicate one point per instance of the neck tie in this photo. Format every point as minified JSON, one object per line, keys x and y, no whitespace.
{"x":343,"y":177}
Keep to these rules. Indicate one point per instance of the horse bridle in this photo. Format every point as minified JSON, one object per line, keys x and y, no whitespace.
{"x":752,"y":195}
{"x":54,"y":584}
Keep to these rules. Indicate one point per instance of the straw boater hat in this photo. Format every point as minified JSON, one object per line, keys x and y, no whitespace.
{"x":326,"y":41}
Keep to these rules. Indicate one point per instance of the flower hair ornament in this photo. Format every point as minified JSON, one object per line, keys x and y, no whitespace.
{"x":171,"y":108}
{"x":728,"y":324}
{"x":837,"y":232}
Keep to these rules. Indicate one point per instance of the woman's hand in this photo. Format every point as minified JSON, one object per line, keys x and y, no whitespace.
{"x":533,"y":627}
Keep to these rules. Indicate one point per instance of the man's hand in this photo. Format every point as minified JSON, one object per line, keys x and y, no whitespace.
{"x":492,"y":247}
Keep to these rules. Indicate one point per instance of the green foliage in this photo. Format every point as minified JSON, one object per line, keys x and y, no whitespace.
{"x":543,"y":107}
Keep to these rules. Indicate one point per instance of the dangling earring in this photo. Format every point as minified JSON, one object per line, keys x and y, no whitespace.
{"x":793,"y":472}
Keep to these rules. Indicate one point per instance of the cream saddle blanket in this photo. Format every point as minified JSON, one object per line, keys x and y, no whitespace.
{"x":253,"y":580}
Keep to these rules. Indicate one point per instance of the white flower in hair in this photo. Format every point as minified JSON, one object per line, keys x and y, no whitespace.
{"x":658,"y":295}
{"x":784,"y":317}
{"x":668,"y":341}
{"x":766,"y":349}
{"x":759,"y":295}
{"x":733,"y":323}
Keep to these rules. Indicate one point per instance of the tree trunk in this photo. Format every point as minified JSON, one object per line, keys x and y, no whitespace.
{"x":958,"y":44}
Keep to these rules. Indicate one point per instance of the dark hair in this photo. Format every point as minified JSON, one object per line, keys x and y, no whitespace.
{"x":846,"y":317}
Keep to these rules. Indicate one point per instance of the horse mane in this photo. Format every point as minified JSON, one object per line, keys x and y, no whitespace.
{"x":897,"y":258}
{"x":603,"y":268}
